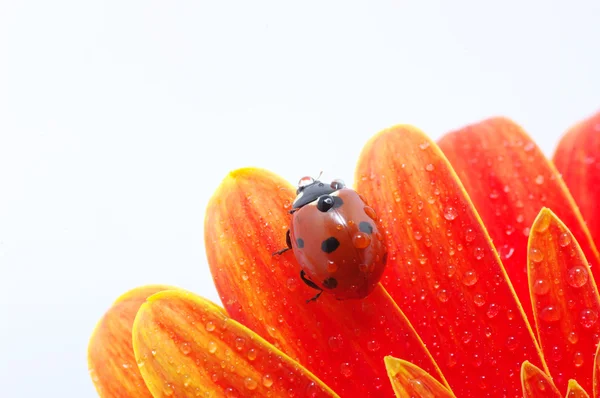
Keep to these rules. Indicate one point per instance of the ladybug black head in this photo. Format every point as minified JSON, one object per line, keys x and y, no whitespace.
{"x":310,"y":190}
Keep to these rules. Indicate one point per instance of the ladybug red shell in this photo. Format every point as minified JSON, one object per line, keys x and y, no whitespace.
{"x":336,"y":239}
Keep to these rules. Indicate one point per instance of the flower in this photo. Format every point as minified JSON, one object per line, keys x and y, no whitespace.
{"x":489,"y":288}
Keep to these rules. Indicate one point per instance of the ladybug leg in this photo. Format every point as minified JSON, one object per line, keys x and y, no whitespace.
{"x":288,"y":241}
{"x":311,"y":284}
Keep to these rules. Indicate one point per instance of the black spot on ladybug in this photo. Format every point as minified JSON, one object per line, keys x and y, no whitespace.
{"x":337,"y":202}
{"x":365,"y":227}
{"x":330,"y":283}
{"x":300,"y":243}
{"x":325,"y":203}
{"x":330,"y":244}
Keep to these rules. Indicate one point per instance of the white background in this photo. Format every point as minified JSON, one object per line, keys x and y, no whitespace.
{"x":119,"y":119}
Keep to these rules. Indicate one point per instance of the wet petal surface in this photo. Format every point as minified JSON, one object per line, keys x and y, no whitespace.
{"x":536,"y":383}
{"x":187,"y":346}
{"x":443,"y":270}
{"x":409,"y":380}
{"x":576,"y":391}
{"x":342,"y":342}
{"x":577,"y":158}
{"x":509,"y":180}
{"x":566,"y":302}
{"x":112,"y":364}
{"x":596,"y":375}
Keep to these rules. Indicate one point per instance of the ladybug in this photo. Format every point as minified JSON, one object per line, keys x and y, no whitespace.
{"x":336,"y":239}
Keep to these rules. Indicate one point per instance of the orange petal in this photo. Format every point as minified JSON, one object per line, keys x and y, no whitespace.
{"x":577,"y":157}
{"x":409,"y":380}
{"x":187,"y":346}
{"x":575,"y":390}
{"x":536,"y":383}
{"x":443,"y":270}
{"x":111,"y":361}
{"x":342,"y":342}
{"x":509,"y":180}
{"x":565,"y":300}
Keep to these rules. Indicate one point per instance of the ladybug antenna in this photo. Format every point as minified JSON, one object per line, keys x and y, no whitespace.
{"x":320,"y":174}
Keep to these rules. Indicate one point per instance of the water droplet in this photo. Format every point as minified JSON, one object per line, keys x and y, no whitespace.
{"x":345,"y":369}
{"x":469,"y":278}
{"x":588,"y":318}
{"x":529,"y":146}
{"x":185,"y":348}
{"x":577,"y":276}
{"x":450,"y":213}
{"x":479,"y":253}
{"x":335,"y":343}
{"x":230,"y":393}
{"x":479,"y":300}
{"x":539,"y":179}
{"x":492,"y":310}
{"x":470,"y":235}
{"x":332,"y":266}
{"x":443,"y":295}
{"x":239,"y":343}
{"x":373,"y":345}
{"x":210,"y":326}
{"x":536,"y":255}
{"x":361,"y":240}
{"x":573,"y":337}
{"x":578,"y":359}
{"x":429,"y":167}
{"x":541,"y":287}
{"x":153,"y":352}
{"x":564,"y":239}
{"x":292,"y":284}
{"x":424,"y":145}
{"x":555,"y":353}
{"x":494,"y":194}
{"x":467,"y":336}
{"x":212,"y":347}
{"x":267,"y":380}
{"x":252,"y":354}
{"x":450,"y":270}
{"x":511,"y":343}
{"x":168,"y":389}
{"x":250,"y":383}
{"x":550,"y":314}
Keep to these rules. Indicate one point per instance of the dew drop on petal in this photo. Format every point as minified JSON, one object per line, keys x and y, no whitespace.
{"x":168,"y":389}
{"x":588,"y":318}
{"x":539,"y":180}
{"x":429,"y":167}
{"x":479,"y":300}
{"x":564,"y":239}
{"x":420,"y":389}
{"x":185,"y":348}
{"x":470,"y":235}
{"x":536,"y":255}
{"x":573,"y":337}
{"x":479,"y":253}
{"x":550,"y":314}
{"x":469,"y":278}
{"x":250,"y":383}
{"x":450,"y":213}
{"x":541,"y":287}
{"x":210,"y":326}
{"x":267,"y":380}
{"x":442,"y":295}
{"x":252,"y":354}
{"x":373,"y":345}
{"x":292,"y":284}
{"x":578,"y":359}
{"x":577,"y":276}
{"x":492,"y":310}
{"x":345,"y":369}
{"x":212,"y":347}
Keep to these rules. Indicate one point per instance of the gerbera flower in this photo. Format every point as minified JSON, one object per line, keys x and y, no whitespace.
{"x":489,"y":288}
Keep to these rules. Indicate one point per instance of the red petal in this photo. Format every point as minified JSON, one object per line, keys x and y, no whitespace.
{"x":509,"y":180}
{"x":443,"y":270}
{"x":187,"y":347}
{"x":566,"y":302}
{"x":596,"y":376}
{"x":409,"y":380}
{"x":342,"y":342}
{"x":536,"y":384}
{"x":577,"y":157}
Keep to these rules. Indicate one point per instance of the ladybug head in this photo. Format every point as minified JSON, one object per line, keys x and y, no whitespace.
{"x":310,"y":189}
